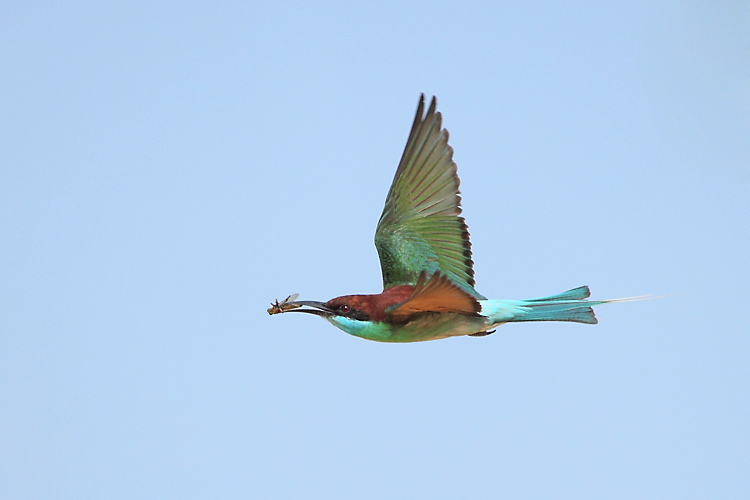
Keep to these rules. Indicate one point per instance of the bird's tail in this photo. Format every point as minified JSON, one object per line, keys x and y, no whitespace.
{"x":567,"y":306}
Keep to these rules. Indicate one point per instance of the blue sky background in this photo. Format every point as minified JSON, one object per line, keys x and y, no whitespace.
{"x":168,"y":169}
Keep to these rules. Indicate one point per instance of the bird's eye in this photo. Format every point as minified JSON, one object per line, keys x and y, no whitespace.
{"x":344,"y":308}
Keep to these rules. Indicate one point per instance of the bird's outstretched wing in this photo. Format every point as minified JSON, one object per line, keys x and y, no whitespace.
{"x":421,"y":228}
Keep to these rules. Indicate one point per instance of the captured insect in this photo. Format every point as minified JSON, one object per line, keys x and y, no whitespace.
{"x":283,"y":306}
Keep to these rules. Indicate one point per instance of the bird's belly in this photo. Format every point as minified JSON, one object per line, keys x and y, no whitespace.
{"x":436,"y":326}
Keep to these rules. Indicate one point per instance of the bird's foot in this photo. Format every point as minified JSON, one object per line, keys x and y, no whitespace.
{"x":481,"y":334}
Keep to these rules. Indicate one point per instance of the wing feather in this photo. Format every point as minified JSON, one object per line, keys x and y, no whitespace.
{"x":421,"y":228}
{"x":438,"y":294}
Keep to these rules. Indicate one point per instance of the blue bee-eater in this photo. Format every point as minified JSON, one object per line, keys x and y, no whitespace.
{"x":425,"y":256}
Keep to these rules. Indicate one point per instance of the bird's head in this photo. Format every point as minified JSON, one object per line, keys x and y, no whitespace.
{"x":351,"y":313}
{"x":353,"y":307}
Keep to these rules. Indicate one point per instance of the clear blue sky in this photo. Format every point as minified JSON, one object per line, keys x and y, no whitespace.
{"x":168,"y":169}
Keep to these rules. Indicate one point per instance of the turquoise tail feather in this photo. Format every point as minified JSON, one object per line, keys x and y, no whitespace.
{"x":580,"y":293}
{"x":567,"y":306}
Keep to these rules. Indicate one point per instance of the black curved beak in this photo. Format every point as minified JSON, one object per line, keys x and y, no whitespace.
{"x":317,"y":308}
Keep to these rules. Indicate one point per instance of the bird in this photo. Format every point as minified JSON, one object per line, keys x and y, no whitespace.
{"x":426,"y":262}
